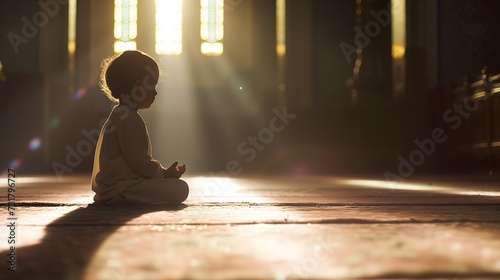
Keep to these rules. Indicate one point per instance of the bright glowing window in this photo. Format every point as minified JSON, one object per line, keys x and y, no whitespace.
{"x":281,"y":27}
{"x":168,"y":27}
{"x":125,"y":25}
{"x":71,"y":26}
{"x":212,"y":26}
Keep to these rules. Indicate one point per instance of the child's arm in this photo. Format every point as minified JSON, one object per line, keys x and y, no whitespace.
{"x":134,"y":144}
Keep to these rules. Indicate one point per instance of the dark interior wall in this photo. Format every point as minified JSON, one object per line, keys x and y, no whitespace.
{"x":469,"y":38}
{"x":333,"y":23}
{"x":21,"y":100}
{"x":38,"y":100}
{"x":331,"y":135}
{"x":81,"y":107}
{"x":264,"y":45}
{"x":19,"y":44}
{"x":415,"y":102}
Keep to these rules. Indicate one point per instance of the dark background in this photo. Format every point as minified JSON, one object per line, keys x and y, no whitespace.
{"x":202,"y":115}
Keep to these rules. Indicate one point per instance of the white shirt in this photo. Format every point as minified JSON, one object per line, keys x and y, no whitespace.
{"x":123,"y":155}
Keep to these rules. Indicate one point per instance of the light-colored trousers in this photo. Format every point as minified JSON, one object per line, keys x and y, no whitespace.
{"x":158,"y":191}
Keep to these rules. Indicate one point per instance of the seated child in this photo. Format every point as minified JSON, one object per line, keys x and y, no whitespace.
{"x":124,"y":170}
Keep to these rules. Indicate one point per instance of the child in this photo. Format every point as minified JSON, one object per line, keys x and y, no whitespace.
{"x":124,"y":170}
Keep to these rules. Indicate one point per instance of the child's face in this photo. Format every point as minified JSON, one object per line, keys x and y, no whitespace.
{"x":146,"y":92}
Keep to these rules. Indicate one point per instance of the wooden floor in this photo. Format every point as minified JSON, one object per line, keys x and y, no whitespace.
{"x":260,"y":228}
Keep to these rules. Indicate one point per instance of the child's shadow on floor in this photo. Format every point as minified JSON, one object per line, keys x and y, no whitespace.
{"x":72,"y":240}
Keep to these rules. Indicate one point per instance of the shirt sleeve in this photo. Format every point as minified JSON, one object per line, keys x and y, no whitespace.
{"x":135,"y":146}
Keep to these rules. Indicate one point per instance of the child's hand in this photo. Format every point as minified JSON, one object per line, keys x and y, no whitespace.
{"x":174,"y":171}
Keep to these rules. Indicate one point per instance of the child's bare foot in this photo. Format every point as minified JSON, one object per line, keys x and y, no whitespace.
{"x":117,"y":200}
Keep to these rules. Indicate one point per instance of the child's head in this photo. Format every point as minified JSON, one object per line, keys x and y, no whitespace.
{"x":130,"y":77}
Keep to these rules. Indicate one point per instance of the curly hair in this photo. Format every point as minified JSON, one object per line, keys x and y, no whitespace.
{"x":120,"y":72}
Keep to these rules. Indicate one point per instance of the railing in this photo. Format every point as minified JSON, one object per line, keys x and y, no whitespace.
{"x":481,"y":136}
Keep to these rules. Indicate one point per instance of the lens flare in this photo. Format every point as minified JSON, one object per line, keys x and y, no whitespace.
{"x":35,"y":143}
{"x":14,"y":164}
{"x":80,"y":93}
{"x":54,"y":123}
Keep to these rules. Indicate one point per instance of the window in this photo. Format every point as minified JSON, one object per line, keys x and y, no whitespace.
{"x":125,"y":25}
{"x":168,"y":27}
{"x":281,"y":27}
{"x":212,"y":26}
{"x":71,"y":26}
